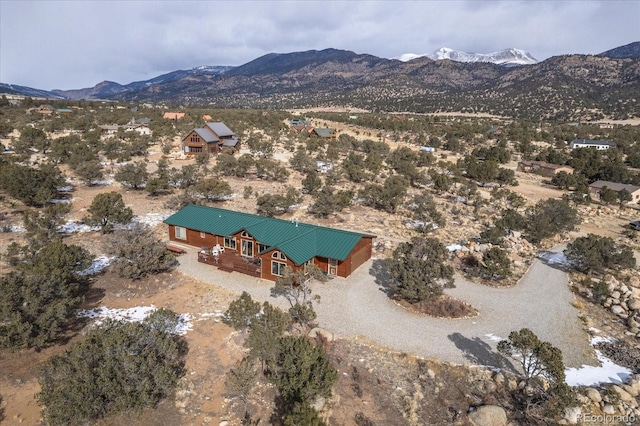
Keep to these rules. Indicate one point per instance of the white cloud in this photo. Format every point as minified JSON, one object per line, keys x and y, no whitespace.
{"x":60,"y":44}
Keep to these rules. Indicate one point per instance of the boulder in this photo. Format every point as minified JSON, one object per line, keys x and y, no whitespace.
{"x":634,"y":304}
{"x":593,"y":395}
{"x":617,"y":309}
{"x":623,"y":394}
{"x":488,"y":415}
{"x":324,"y":335}
{"x":572,"y":415}
{"x":609,"y":409}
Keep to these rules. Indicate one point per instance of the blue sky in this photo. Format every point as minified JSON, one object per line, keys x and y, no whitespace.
{"x":75,"y":44}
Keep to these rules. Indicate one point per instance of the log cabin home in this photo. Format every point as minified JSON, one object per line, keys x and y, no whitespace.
{"x":262,"y":246}
{"x":212,"y":138}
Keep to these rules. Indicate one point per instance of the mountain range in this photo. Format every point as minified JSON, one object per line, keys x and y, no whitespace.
{"x":507,"y":57}
{"x":569,"y":87}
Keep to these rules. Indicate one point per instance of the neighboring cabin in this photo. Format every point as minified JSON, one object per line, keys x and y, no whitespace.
{"x":589,"y":143}
{"x":268,"y":245}
{"x":543,"y":168}
{"x":211,"y":138}
{"x":597,"y":186}
{"x":173,"y":115}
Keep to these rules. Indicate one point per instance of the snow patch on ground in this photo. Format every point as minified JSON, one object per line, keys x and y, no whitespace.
{"x":607,"y":372}
{"x":589,"y":375}
{"x":150,"y":219}
{"x":135,"y":314}
{"x":98,"y":265}
{"x":71,"y":227}
{"x":492,"y":337}
{"x":553,"y":258}
{"x":139,"y":313}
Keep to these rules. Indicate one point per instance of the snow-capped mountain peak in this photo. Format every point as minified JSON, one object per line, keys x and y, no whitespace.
{"x":507,"y":57}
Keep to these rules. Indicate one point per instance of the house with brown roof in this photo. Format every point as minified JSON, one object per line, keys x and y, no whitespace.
{"x":173,"y":115}
{"x":262,"y":246}
{"x":543,"y":168}
{"x":596,"y":187}
{"x":212,"y":138}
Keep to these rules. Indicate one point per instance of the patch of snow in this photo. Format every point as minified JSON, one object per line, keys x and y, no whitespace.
{"x":64,"y":188}
{"x":492,"y":337}
{"x":607,"y":372}
{"x":150,"y":219}
{"x":135,"y":314}
{"x":60,"y":201}
{"x":454,"y":247}
{"x":17,"y":228}
{"x":98,"y":265}
{"x":102,"y":182}
{"x":553,"y":258}
{"x":71,"y":227}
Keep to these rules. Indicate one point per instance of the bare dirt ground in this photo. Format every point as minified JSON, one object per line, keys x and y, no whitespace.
{"x":214,"y":347}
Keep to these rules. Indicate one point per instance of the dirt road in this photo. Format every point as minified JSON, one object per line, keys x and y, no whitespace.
{"x":358,"y":307}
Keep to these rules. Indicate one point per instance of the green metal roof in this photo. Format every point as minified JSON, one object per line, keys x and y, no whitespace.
{"x":298,"y":241}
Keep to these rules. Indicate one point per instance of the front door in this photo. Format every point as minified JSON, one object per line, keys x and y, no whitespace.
{"x":333,"y":267}
{"x":247,"y":248}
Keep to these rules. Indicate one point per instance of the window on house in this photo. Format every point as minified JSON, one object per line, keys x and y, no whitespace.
{"x":202,"y":235}
{"x":195,"y":149}
{"x":245,"y":234}
{"x":230,"y":243}
{"x":277,"y":268}
{"x":195,"y":138}
{"x":278,"y":255}
{"x":181,"y":233}
{"x":262,"y":247}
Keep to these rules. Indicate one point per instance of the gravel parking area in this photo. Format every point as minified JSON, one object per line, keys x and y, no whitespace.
{"x":357,"y":307}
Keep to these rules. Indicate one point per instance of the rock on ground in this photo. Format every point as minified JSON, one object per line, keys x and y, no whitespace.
{"x":489,"y":415}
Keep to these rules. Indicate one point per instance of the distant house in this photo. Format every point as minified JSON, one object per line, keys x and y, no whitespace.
{"x":301,"y":129}
{"x":43,"y":109}
{"x":64,"y":111}
{"x":142,"y":121}
{"x":212,"y":138}
{"x":427,"y":149}
{"x":606,"y":126}
{"x":173,"y":115}
{"x":589,"y":143}
{"x":299,"y":122}
{"x":141,"y":129}
{"x":324,"y":166}
{"x":324,"y":133}
{"x":207,"y":117}
{"x":596,"y":187}
{"x":109,"y":129}
{"x":543,"y":168}
{"x":262,"y":247}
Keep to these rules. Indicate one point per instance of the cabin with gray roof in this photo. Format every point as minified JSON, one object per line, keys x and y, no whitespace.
{"x":596,"y":187}
{"x":262,"y":246}
{"x":211,"y":138}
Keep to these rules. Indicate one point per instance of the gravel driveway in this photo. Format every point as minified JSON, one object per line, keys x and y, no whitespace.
{"x":357,"y":307}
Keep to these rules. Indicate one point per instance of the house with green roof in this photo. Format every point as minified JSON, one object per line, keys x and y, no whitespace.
{"x":263,"y":246}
